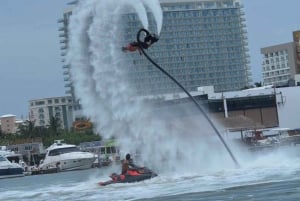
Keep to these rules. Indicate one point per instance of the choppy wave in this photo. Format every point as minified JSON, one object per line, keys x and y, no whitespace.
{"x":269,"y":177}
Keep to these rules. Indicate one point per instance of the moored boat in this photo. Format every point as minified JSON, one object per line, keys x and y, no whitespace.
{"x":9,"y":169}
{"x":66,"y":157}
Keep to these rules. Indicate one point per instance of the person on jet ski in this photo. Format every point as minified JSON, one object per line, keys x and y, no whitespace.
{"x":148,"y":41}
{"x":127,"y":164}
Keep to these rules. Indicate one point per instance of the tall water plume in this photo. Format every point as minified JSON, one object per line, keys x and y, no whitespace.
{"x":99,"y":77}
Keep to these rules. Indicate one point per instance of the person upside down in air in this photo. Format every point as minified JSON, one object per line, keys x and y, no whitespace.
{"x":134,"y":46}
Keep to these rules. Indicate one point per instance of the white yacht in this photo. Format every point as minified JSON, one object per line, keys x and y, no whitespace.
{"x":9,"y":169}
{"x":66,"y":157}
{"x":15,"y":158}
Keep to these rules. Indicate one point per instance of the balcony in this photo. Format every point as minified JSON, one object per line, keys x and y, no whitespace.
{"x":60,"y":20}
{"x":68,"y":85}
{"x":68,"y":92}
{"x":66,"y":79}
{"x":62,"y":29}
{"x":63,"y":41}
{"x":63,"y":35}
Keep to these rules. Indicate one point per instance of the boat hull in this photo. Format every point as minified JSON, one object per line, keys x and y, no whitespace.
{"x":76,"y":164}
{"x":11,"y":172}
{"x":68,"y":163}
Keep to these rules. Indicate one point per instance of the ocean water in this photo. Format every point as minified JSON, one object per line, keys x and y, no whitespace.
{"x":267,"y":177}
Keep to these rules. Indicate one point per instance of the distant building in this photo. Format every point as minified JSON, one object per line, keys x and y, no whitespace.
{"x":279,"y":64}
{"x":9,"y":123}
{"x":41,"y":111}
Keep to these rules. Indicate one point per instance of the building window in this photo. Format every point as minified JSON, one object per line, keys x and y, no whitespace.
{"x":28,"y":147}
{"x":15,"y":149}
{"x":49,"y":101}
{"x":39,"y":102}
{"x":56,"y":101}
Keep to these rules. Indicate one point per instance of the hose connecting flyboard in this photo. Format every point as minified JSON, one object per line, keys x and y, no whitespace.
{"x":187,"y":93}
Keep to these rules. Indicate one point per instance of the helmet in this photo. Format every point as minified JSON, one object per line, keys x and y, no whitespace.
{"x":127,"y":156}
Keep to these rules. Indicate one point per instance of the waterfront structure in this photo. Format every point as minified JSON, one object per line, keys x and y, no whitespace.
{"x":234,"y":110}
{"x":9,"y":123}
{"x":42,"y":110}
{"x":279,"y":65}
{"x":262,"y":107}
{"x":106,"y":151}
{"x":202,"y":42}
{"x":28,"y":148}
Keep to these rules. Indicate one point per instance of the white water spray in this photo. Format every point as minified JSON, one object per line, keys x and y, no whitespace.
{"x":157,"y":12}
{"x":98,"y":74}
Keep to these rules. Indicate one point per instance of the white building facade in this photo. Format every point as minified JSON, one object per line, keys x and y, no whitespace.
{"x":41,"y":111}
{"x":279,"y":64}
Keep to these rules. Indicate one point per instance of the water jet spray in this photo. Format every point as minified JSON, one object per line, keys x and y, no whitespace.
{"x":140,"y":43}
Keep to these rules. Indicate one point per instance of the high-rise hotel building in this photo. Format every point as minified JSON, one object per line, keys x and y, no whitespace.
{"x":202,"y":42}
{"x":64,"y":40}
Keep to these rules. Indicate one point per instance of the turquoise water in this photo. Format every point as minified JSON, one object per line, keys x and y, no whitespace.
{"x":266,"y":178}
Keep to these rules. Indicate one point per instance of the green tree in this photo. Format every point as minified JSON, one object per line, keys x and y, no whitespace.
{"x":54,"y":126}
{"x":27,"y":129}
{"x":257,"y":84}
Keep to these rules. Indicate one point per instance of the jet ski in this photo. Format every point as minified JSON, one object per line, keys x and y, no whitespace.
{"x":133,"y":175}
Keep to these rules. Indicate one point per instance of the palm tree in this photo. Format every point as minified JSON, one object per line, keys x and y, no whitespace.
{"x":27,"y":129}
{"x":257,"y":84}
{"x":54,"y":125}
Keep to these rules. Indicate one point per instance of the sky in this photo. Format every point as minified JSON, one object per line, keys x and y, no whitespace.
{"x":30,"y":60}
